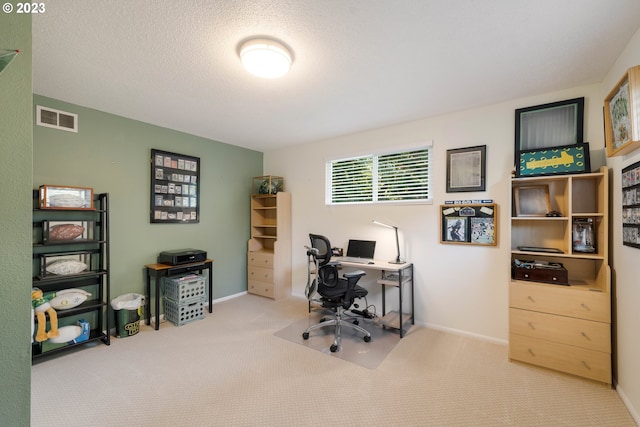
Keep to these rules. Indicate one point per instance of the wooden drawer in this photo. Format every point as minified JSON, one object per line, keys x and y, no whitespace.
{"x":261,"y":288}
{"x":567,"y":330}
{"x":562,"y":300}
{"x":260,"y":259}
{"x":577,"y":361}
{"x":546,"y":275}
{"x":260,"y":273}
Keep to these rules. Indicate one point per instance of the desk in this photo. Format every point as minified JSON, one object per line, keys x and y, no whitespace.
{"x":396,"y":275}
{"x":163,"y":270}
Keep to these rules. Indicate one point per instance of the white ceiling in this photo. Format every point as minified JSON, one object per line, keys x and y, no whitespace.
{"x":358,"y":64}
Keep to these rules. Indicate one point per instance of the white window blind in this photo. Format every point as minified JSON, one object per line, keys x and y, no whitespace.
{"x":393,"y":177}
{"x":351,"y":180}
{"x":403,"y":176}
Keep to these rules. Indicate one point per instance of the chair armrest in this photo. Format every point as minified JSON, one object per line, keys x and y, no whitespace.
{"x":352,"y":278}
{"x":354,"y":274}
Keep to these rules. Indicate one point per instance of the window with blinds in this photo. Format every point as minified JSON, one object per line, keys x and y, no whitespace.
{"x":402,"y":176}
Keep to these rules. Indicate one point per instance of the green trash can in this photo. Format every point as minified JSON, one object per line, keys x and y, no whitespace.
{"x":127,"y":309}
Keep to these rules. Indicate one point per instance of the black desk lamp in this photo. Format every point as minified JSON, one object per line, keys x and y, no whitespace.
{"x":398,"y":260}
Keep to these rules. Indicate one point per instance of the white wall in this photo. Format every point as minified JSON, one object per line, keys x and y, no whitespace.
{"x":458,"y":288}
{"x":465,"y":288}
{"x":625,"y":260}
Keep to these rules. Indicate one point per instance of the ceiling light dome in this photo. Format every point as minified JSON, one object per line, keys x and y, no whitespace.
{"x":265,"y":58}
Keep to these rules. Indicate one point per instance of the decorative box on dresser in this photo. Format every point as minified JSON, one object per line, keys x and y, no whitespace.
{"x":566,"y":328}
{"x":269,"y":249}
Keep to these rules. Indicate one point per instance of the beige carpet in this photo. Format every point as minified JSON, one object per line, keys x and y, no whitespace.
{"x":230,"y":370}
{"x":354,"y":349}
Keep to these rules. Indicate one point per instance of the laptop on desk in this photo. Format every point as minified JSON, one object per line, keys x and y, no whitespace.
{"x":359,"y":251}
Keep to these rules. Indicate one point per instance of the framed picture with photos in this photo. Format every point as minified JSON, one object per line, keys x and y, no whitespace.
{"x":470,"y":224}
{"x":175,"y":188}
{"x":631,"y":205}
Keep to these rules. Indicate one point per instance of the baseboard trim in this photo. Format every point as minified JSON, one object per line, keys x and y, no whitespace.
{"x":228,"y":297}
{"x":628,"y":404}
{"x":464,"y":333}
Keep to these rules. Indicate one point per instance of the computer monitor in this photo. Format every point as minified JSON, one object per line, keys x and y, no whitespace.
{"x":361,"y":248}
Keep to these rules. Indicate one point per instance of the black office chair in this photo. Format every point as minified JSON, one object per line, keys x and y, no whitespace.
{"x":336,"y":293}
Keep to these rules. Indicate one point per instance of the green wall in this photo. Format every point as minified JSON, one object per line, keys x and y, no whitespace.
{"x":15,"y":228}
{"x":111,"y":154}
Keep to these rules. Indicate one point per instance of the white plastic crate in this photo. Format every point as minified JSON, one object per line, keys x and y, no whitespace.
{"x":181,"y":314}
{"x":185,"y":289}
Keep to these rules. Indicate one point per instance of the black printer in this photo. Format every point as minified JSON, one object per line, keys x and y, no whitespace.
{"x":181,"y":256}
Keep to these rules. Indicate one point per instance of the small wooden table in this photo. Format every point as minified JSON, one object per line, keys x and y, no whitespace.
{"x":163,"y":270}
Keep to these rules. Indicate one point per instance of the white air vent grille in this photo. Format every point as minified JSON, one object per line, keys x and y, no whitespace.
{"x":56,"y":119}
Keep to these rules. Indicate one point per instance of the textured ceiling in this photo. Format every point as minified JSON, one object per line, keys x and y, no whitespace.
{"x":358,"y":64}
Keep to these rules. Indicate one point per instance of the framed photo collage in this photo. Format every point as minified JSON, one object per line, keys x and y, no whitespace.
{"x":175,"y":188}
{"x":631,"y":205}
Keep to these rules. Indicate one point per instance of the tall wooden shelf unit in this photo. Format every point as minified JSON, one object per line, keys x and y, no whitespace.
{"x":269,"y":249}
{"x":566,"y":328}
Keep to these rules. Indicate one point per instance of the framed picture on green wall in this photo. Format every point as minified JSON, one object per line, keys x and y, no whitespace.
{"x":175,"y":188}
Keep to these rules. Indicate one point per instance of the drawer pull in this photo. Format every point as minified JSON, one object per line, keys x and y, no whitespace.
{"x":586,"y":365}
{"x":585,"y":335}
{"x":532,"y":353}
{"x":531,"y":326}
{"x":583,"y":305}
{"x":530,"y":299}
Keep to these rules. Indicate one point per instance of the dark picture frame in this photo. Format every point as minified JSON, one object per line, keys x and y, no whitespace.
{"x":466,"y":169}
{"x":469,"y":224}
{"x":631,"y":205}
{"x":543,"y":126}
{"x":175,"y":188}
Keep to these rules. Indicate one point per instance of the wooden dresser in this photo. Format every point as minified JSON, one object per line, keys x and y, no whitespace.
{"x":566,"y":328}
{"x":269,"y":249}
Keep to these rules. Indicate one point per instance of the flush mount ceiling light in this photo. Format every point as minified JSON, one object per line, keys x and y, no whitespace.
{"x":265,"y":58}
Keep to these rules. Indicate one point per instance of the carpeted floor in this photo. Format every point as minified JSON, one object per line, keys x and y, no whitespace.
{"x":354,"y":348}
{"x":230,"y":369}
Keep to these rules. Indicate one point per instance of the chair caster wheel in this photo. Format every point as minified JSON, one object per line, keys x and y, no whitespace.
{"x":305,"y":335}
{"x":356,"y":322}
{"x":322,"y":320}
{"x":367,"y":338}
{"x":333,"y":348}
